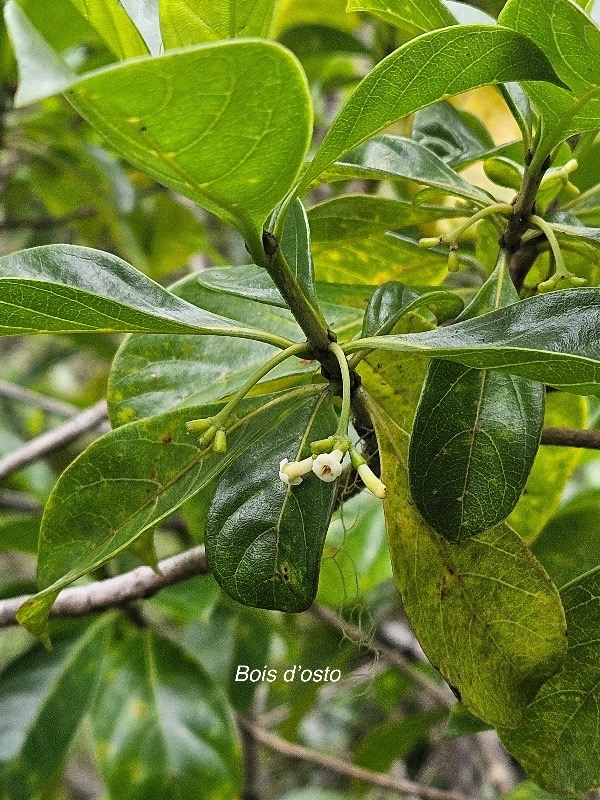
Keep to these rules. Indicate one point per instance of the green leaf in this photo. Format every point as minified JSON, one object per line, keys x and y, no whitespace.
{"x":393,"y":300}
{"x":152,"y":374}
{"x":413,"y":18}
{"x":187,"y":22}
{"x":19,"y":532}
{"x":379,"y":258}
{"x":519,"y":340}
{"x":394,"y":739}
{"x":89,"y":517}
{"x":68,"y":289}
{"x":557,"y":739}
{"x":264,"y":539}
{"x":552,"y":469}
{"x":474,"y":439}
{"x":145,"y":16}
{"x":569,"y":544}
{"x":447,"y":62}
{"x":462,"y":723}
{"x":527,"y":790}
{"x":484,"y":611}
{"x":394,"y":157}
{"x":238,"y":175}
{"x":571,"y":40}
{"x":358,"y":215}
{"x":114,"y":26}
{"x":456,"y":137}
{"x":162,"y":728}
{"x":43,"y":699}
{"x":295,"y":246}
{"x":475,"y":435}
{"x":31,"y":50}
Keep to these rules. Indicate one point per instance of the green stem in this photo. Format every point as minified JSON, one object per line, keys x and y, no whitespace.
{"x":546,"y":228}
{"x":219,"y":420}
{"x":342,"y":429}
{"x":255,"y":335}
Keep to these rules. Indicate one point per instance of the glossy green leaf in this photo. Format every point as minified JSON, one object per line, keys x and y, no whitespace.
{"x":394,"y":157}
{"x":187,"y":22}
{"x":571,"y":40}
{"x":114,"y":26}
{"x":475,"y":435}
{"x":448,"y":62}
{"x":355,"y":557}
{"x":393,"y":300}
{"x":456,"y":137}
{"x":238,"y":175}
{"x":263,"y":538}
{"x":413,"y":18}
{"x":552,"y":468}
{"x":552,"y":338}
{"x":484,"y":611}
{"x":473,"y":443}
{"x":89,"y":518}
{"x":358,"y":215}
{"x":43,"y":699}
{"x":569,"y":544}
{"x":68,"y":289}
{"x":557,"y":740}
{"x":162,"y":728}
{"x":379,"y":258}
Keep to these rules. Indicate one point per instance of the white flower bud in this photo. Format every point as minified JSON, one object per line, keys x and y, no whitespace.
{"x":290,"y":471}
{"x":328,"y":466}
{"x":372,"y":482}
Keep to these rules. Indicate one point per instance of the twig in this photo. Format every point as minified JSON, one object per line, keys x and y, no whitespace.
{"x":571,"y":437}
{"x":14,"y":392}
{"x":53,"y":440}
{"x":391,"y":655}
{"x":341,"y":767}
{"x":19,"y":501}
{"x":138,"y":584}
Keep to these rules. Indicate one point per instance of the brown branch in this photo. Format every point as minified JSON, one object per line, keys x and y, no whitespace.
{"x":53,"y":440}
{"x":340,"y":767}
{"x":571,"y":437}
{"x":390,"y":654}
{"x":14,"y":392}
{"x":138,"y":584}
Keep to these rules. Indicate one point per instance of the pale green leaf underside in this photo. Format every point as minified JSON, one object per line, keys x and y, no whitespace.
{"x":186,"y":22}
{"x":411,"y":17}
{"x":552,"y":338}
{"x":484,"y":611}
{"x":114,"y":26}
{"x":71,"y":289}
{"x":432,"y":67}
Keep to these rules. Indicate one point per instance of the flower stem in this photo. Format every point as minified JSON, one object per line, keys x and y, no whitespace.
{"x":452,"y":237}
{"x":210,"y":427}
{"x":342,"y":429}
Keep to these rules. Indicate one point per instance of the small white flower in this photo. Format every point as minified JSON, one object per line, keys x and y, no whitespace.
{"x":328,"y":466}
{"x":290,"y":471}
{"x":372,"y":482}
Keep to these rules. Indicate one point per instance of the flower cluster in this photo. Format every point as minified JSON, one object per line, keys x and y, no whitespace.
{"x":328,"y":467}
